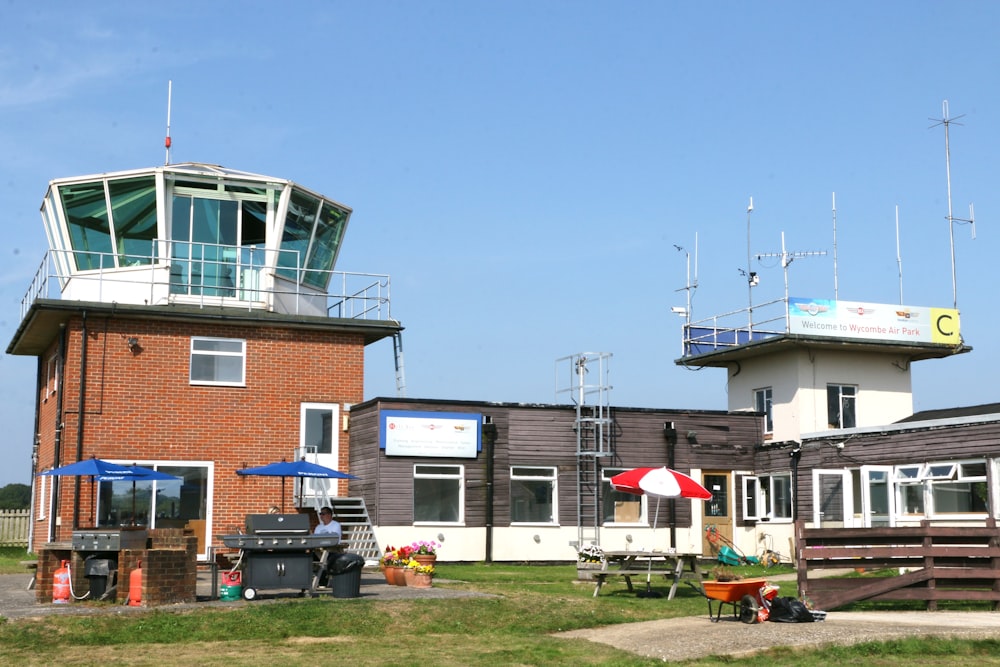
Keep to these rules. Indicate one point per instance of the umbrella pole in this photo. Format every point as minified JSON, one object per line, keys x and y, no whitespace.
{"x":649,"y":592}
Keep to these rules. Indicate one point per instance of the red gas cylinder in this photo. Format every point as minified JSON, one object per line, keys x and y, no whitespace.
{"x":60,"y":584}
{"x":135,"y":586}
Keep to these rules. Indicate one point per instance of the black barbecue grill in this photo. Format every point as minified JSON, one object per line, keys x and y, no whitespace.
{"x":277,"y":552}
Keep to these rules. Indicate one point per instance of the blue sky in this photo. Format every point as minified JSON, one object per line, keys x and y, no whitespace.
{"x":523,"y":170}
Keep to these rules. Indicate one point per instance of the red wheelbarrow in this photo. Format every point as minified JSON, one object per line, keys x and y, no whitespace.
{"x":750,"y":598}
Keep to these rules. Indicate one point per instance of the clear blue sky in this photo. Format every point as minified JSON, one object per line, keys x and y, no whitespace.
{"x":523,"y":169}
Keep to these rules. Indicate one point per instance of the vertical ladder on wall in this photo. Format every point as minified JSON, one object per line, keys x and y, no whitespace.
{"x":397,"y":349}
{"x":585,"y":380}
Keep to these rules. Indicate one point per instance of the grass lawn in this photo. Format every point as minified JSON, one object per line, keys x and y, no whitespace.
{"x":514,"y":628}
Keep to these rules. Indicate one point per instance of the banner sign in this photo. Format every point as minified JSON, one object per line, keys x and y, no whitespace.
{"x":873,"y":321}
{"x":440,"y":434}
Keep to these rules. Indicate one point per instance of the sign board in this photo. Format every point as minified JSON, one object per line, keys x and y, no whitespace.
{"x":873,"y":321}
{"x":440,"y":434}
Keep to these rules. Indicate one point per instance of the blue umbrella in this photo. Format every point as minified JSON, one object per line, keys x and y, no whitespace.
{"x":301,"y":469}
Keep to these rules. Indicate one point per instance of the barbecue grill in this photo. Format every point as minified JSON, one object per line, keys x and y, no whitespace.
{"x":277,"y":552}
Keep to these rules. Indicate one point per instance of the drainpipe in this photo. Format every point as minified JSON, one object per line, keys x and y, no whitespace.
{"x":57,"y":442}
{"x":796,"y":454}
{"x":489,"y":440}
{"x":81,"y":406}
{"x":670,"y":433}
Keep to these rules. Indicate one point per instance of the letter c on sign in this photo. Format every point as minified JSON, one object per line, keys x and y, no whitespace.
{"x":940,"y":323}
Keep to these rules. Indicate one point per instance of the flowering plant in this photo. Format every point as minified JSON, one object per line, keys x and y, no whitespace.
{"x":418,"y":568}
{"x":591,"y":554}
{"x":395,"y":556}
{"x":423,"y":548}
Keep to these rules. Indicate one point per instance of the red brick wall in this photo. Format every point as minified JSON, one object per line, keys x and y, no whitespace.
{"x":141,"y":406}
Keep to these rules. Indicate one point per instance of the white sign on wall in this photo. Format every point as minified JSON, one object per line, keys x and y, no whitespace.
{"x":873,"y":321}
{"x":439,"y":434}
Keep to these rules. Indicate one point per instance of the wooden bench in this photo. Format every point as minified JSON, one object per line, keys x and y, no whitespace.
{"x":672,"y":566}
{"x":33,"y":566}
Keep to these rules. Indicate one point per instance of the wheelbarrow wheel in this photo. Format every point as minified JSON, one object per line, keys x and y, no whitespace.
{"x":749,"y":609}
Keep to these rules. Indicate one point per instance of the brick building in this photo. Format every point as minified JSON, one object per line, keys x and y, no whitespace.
{"x":184,"y":320}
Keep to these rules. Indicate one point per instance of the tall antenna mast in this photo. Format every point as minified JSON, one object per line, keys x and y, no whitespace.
{"x":689,"y":286}
{"x":789,"y":257}
{"x":751,"y":278}
{"x":835,"y":291}
{"x":166,"y":142}
{"x":899,"y":258}
{"x":951,"y":219}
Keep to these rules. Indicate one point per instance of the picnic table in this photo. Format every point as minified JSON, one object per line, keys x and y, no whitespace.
{"x":670,"y":564}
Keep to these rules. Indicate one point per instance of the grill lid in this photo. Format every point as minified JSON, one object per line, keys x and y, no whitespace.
{"x":278,"y":524}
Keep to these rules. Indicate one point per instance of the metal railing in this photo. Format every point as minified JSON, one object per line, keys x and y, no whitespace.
{"x":210,"y":274}
{"x":737,"y":327}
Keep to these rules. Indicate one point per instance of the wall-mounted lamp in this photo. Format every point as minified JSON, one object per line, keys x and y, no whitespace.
{"x":692,"y":436}
{"x":440,"y":537}
{"x":133,"y":344}
{"x":537,"y":539}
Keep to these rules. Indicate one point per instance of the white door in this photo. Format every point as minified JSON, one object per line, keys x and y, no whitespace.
{"x":833,"y":499}
{"x":319,"y":442}
{"x":877,"y":497}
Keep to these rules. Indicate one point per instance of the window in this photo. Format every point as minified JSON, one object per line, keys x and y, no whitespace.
{"x":220,"y":361}
{"x":841,"y":405}
{"x":532,"y":494}
{"x":318,"y":428}
{"x":52,"y":376}
{"x":946,"y":488}
{"x":438,"y":494}
{"x":762,"y":403}
{"x":618,"y":506}
{"x":767,"y":497}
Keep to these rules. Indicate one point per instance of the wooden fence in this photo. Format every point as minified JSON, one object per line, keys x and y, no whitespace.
{"x":14,"y":528}
{"x":938,"y":563}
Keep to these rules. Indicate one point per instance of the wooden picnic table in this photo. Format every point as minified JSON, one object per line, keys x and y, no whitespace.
{"x":628,"y":564}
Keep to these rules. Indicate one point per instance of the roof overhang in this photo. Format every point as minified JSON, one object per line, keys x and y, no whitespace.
{"x":723,"y":356}
{"x":40,"y":327}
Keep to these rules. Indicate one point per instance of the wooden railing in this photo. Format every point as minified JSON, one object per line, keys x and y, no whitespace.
{"x":14,"y":526}
{"x":934,"y":563}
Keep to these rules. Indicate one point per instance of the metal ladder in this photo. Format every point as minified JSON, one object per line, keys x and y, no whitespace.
{"x":359,"y":536}
{"x":397,"y":349}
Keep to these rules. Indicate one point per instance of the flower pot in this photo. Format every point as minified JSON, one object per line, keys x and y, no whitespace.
{"x":425,"y":559}
{"x":420,"y":580}
{"x":585,"y":571}
{"x":394,"y":575}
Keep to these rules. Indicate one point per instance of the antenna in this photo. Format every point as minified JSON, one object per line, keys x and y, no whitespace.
{"x":689,"y":286}
{"x":835,"y":290}
{"x":899,"y":258}
{"x":166,"y":142}
{"x":951,"y":219}
{"x":751,"y":278}
{"x":789,"y":257}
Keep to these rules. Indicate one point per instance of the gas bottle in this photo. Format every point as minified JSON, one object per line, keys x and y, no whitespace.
{"x":60,"y":584}
{"x":135,"y":586}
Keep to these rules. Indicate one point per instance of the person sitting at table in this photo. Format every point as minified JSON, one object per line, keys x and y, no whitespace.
{"x":327,"y":524}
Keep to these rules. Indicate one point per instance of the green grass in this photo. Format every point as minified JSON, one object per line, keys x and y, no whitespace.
{"x":514,"y":626}
{"x":11,"y":558}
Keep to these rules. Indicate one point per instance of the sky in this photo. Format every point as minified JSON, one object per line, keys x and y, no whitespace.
{"x":526,"y":171}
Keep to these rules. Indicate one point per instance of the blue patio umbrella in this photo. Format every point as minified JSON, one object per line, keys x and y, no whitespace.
{"x":105,"y":471}
{"x":300,"y":469}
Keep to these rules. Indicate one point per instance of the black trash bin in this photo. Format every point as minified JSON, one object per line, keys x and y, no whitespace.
{"x":98,"y":571}
{"x":345,"y":575}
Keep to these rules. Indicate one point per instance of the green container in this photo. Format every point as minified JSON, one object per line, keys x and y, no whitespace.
{"x":229,"y":593}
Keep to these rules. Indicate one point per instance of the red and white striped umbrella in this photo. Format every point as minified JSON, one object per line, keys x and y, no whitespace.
{"x":659,"y":482}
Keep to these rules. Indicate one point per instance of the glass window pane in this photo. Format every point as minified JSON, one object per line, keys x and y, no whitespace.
{"x":254,"y":223}
{"x":86,"y":214}
{"x":133,"y":209}
{"x":911,"y":498}
{"x":436,"y":500}
{"x":319,"y":430}
{"x":973,"y":469}
{"x":217,"y":345}
{"x":618,"y":506}
{"x":531,"y":495}
{"x":329,"y":233}
{"x":299,"y":223}
{"x":959,"y":497}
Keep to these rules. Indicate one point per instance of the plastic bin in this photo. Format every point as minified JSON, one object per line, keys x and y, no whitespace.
{"x":345,"y":576}
{"x":99,"y":571}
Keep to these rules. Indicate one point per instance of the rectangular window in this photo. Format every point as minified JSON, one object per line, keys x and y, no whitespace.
{"x":52,"y":376}
{"x":318,"y":428}
{"x":617,"y":506}
{"x":762,"y":403}
{"x":767,"y":497}
{"x":44,"y":497}
{"x":532,"y":495}
{"x":438,"y":494}
{"x":841,"y":405}
{"x":218,"y":361}
{"x":942,"y":489}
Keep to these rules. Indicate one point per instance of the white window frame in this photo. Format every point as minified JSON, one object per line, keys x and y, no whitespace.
{"x":458,"y":475}
{"x":606,"y":475}
{"x":44,"y":489}
{"x":334,"y":410}
{"x":758,"y":505}
{"x":840,"y":404}
{"x":52,"y":376}
{"x":765,"y":395}
{"x":242,"y":355}
{"x":548,"y":474}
